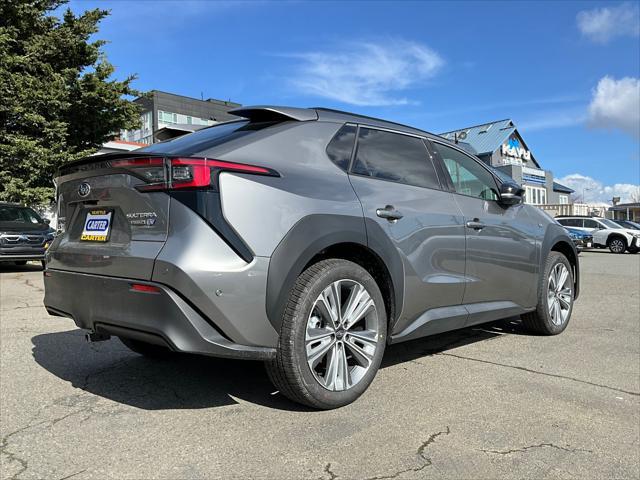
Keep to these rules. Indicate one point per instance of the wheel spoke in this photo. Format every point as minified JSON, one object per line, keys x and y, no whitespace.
{"x":336,"y":376}
{"x":558,"y":312}
{"x":314,"y":334}
{"x":355,"y":297}
{"x":316,"y":351}
{"x":331,"y":301}
{"x":361,"y":355}
{"x":565,"y":298}
{"x":344,"y":368}
{"x":363,"y":308}
{"x":564,"y":274}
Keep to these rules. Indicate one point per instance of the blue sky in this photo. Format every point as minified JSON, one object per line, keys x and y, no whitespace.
{"x":566,"y":72}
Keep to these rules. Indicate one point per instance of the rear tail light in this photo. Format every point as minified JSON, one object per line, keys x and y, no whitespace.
{"x":179,"y":173}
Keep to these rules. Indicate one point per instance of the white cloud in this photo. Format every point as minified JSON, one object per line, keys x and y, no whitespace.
{"x":616,"y":104}
{"x":596,"y":192}
{"x":553,"y":119}
{"x":602,"y":24}
{"x":366,"y":73}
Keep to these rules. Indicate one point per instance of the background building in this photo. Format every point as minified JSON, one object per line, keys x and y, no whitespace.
{"x":167,"y":115}
{"x":500,"y":145}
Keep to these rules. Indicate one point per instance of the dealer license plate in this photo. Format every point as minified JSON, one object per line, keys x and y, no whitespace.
{"x":97,"y":226}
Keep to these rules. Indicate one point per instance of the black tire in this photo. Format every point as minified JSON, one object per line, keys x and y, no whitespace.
{"x":20,"y":263}
{"x":540,"y":320}
{"x":616,"y":244}
{"x":289,"y":371}
{"x":146,"y":349}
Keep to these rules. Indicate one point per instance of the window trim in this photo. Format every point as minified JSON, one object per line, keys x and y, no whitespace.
{"x":476,"y":160}
{"x":428,"y":156}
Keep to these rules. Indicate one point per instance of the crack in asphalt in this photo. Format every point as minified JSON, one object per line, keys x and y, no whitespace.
{"x":540,"y":445}
{"x":87,"y":408}
{"x":73,"y":474}
{"x":29,"y":283}
{"x":554,"y":375}
{"x":327,"y":469}
{"x":420,"y":453}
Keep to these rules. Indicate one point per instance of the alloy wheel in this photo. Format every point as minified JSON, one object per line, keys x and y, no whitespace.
{"x":559,"y":294}
{"x":341,"y":335}
{"x":617,"y":245}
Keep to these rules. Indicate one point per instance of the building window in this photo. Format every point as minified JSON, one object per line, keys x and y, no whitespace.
{"x":535,"y":195}
{"x":563,"y":199}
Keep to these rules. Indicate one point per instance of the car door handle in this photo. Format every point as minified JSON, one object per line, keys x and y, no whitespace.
{"x":389,"y":212}
{"x":475,"y":224}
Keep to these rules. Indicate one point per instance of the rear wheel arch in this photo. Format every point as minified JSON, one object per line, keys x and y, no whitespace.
{"x":371,"y":262}
{"x":320,"y":236}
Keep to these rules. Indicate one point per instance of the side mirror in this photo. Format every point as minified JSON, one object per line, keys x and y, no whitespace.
{"x":47,"y":221}
{"x":511,"y":193}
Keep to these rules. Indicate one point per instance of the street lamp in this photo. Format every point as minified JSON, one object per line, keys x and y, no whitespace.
{"x":585,"y":190}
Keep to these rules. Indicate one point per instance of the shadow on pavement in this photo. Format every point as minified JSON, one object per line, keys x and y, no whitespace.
{"x":10,"y":267}
{"x":108,"y":369}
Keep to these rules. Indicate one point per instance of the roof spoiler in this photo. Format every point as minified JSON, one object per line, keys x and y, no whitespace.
{"x":266,"y":113}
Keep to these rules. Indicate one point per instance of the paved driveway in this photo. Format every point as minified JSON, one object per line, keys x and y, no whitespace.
{"x":489,"y":402}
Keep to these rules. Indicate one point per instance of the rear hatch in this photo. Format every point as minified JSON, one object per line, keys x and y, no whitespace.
{"x":110,"y":224}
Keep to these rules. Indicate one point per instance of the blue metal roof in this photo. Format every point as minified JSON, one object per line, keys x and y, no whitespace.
{"x":558,"y":187}
{"x":485,"y":138}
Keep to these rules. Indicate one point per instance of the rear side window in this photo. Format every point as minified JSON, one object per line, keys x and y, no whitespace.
{"x":206,"y":138}
{"x":395,"y":157}
{"x":341,"y":146}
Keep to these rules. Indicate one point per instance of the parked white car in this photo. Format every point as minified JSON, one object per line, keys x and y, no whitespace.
{"x":605,"y":233}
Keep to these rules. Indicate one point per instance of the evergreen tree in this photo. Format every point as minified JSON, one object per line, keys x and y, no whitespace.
{"x":58,"y":100}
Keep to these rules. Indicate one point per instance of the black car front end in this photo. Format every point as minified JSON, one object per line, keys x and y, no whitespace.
{"x":24,"y":235}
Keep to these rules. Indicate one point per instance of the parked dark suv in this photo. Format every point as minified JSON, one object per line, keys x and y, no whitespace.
{"x":307,"y":238}
{"x":24,"y":235}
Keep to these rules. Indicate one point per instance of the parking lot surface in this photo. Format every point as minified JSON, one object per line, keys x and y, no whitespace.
{"x":485,"y":402}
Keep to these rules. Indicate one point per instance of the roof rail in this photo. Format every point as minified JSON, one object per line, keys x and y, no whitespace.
{"x":265,"y":113}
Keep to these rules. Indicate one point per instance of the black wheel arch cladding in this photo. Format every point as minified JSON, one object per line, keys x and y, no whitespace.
{"x":310,"y":236}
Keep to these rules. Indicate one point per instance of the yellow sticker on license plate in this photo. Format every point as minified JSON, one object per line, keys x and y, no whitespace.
{"x":97,"y":226}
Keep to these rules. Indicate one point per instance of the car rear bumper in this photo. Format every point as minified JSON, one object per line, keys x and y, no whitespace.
{"x":109,"y":305}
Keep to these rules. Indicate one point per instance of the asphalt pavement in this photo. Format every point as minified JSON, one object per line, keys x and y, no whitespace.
{"x":487,"y":402}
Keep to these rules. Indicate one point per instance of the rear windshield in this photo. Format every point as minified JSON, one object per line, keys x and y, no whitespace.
{"x":11,"y":214}
{"x":206,"y":138}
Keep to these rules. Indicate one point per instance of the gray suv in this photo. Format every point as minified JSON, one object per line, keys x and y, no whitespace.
{"x":306,"y":238}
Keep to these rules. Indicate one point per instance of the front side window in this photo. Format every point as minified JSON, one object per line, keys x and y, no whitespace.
{"x":341,"y":146}
{"x":467,"y":175}
{"x":394,"y":157}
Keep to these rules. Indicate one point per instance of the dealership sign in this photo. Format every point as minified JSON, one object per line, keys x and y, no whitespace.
{"x":514,"y":149}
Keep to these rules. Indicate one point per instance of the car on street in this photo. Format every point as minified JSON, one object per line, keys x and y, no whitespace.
{"x":580,"y":238}
{"x":606,"y":233}
{"x":24,"y":234}
{"x":308,"y":238}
